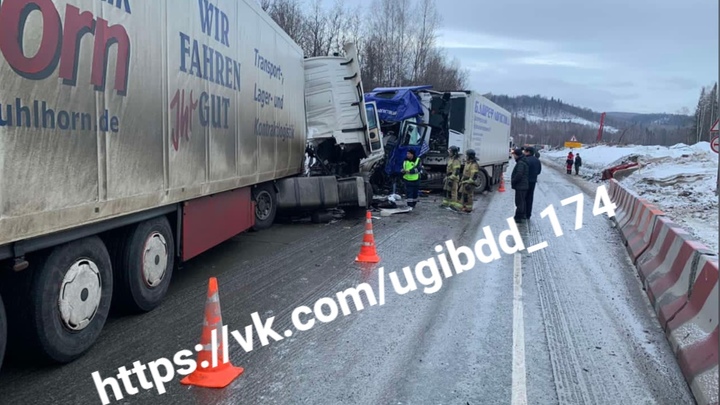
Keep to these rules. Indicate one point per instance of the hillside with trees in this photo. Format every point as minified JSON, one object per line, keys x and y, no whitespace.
{"x":538,"y":119}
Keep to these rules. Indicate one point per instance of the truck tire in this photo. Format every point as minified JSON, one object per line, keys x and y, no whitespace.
{"x":482,"y":181}
{"x":265,"y":206}
{"x":3,"y":332}
{"x":70,"y":299}
{"x":143,"y":259}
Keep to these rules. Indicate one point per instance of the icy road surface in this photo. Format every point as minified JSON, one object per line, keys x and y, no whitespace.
{"x":567,"y":324}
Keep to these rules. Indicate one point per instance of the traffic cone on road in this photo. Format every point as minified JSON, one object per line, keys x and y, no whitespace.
{"x":502,"y":184}
{"x":205,"y":375}
{"x":368,"y":254}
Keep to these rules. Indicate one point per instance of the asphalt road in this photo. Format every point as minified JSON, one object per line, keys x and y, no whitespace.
{"x":567,"y":324}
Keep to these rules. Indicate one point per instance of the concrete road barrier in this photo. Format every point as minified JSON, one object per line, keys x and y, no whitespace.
{"x":639,"y":230}
{"x":693,"y":333}
{"x":680,"y":276}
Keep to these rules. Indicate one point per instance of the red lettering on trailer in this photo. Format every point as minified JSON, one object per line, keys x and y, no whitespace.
{"x":60,"y":44}
{"x":183,"y":117}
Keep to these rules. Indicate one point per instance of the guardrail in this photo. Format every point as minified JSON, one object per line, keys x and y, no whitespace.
{"x":680,"y":276}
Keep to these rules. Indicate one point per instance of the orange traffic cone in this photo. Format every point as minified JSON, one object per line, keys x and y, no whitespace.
{"x":502,"y":184}
{"x":368,"y":254}
{"x":208,"y":374}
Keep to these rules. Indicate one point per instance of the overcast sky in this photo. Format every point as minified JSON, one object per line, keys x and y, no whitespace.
{"x":611,"y":55}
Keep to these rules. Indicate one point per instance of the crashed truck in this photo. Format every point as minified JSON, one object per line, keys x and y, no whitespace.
{"x":429,"y":122}
{"x":116,"y":166}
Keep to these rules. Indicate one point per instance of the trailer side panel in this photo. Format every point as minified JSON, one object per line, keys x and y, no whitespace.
{"x":108,"y":109}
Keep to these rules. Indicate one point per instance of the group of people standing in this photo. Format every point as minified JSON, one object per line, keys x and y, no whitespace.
{"x":576,"y":160}
{"x":460,"y":183}
{"x":459,"y":180}
{"x":523,"y":180}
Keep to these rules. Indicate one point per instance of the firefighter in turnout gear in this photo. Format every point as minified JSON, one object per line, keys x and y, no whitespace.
{"x":469,"y":180}
{"x":452,"y":177}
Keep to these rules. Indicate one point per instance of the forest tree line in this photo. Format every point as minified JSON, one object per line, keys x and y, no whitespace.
{"x":706,"y":113}
{"x":396,"y":39}
{"x":639,"y":129}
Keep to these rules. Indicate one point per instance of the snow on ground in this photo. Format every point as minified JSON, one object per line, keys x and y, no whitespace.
{"x":566,"y":117}
{"x":680,"y":179}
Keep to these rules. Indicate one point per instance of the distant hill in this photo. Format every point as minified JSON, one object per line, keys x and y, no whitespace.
{"x":671,"y":120}
{"x":550,"y":120}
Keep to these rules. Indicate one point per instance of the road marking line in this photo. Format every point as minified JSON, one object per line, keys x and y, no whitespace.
{"x":539,"y":246}
{"x":381,"y":285}
{"x":519,"y":388}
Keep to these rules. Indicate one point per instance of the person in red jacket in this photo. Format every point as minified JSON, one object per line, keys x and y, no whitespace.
{"x":569,"y":162}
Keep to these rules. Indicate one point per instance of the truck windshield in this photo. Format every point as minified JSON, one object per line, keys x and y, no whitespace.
{"x":412,"y":135}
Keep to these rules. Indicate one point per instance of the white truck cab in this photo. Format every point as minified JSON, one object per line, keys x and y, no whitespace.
{"x":343,"y":130}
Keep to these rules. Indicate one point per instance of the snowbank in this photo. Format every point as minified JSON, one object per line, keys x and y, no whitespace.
{"x":680,"y":179}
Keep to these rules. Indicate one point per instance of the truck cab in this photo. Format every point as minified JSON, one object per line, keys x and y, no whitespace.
{"x":429,"y":122}
{"x":344,"y":136}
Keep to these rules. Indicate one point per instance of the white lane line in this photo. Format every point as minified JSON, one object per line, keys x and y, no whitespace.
{"x":519,"y":386}
{"x":381,"y":285}
{"x":539,"y":246}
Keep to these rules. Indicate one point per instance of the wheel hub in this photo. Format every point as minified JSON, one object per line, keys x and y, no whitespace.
{"x":263,"y":206}
{"x":80,"y":294}
{"x":155,"y":260}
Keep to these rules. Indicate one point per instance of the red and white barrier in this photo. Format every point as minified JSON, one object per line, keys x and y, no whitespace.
{"x":632,"y":206}
{"x":660,"y":241}
{"x":669,"y":275}
{"x":638,"y":232}
{"x":613,"y":190}
{"x":693,"y":332}
{"x":681,"y":280}
{"x":623,"y":211}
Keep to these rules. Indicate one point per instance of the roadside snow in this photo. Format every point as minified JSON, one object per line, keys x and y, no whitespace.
{"x":680,"y":179}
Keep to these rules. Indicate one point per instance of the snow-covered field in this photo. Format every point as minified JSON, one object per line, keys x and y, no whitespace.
{"x":680,"y":179}
{"x":565,"y":117}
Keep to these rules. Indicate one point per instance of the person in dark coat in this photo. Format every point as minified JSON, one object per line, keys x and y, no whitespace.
{"x":519,"y":182}
{"x":578,"y":163}
{"x":535,"y":167}
{"x":569,"y":162}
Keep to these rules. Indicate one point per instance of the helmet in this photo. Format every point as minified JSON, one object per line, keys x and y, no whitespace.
{"x":454,"y":150}
{"x":470,"y":153}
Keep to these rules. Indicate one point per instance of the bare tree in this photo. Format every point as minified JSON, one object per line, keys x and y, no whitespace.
{"x":425,"y":36}
{"x":396,"y":40}
{"x":288,"y":15}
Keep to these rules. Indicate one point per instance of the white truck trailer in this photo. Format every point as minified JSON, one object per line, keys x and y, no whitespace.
{"x":138,"y":134}
{"x":467,"y":120}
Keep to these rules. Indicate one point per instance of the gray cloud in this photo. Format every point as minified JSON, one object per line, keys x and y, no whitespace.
{"x":639,"y":55}
{"x":628,"y":55}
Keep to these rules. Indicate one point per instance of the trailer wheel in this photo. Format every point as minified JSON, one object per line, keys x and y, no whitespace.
{"x":70,"y":299}
{"x":482,"y":181}
{"x":265,"y":206}
{"x":144,"y":260}
{"x":3,"y":332}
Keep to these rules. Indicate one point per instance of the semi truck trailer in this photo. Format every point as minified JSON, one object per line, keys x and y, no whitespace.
{"x":136,"y":135}
{"x":429,"y":122}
